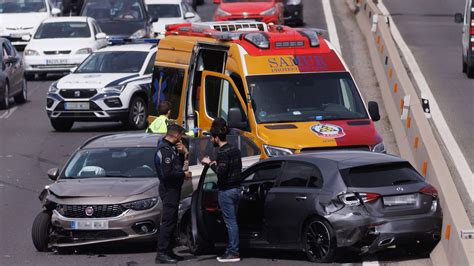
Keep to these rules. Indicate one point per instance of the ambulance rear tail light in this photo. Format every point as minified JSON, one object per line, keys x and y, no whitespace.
{"x":312,"y":36}
{"x":258,"y":39}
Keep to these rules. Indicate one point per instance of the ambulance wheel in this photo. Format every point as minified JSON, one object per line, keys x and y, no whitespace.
{"x":62,"y":125}
{"x":41,"y":230}
{"x":137,"y":114}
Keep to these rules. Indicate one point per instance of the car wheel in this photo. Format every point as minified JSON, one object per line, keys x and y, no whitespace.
{"x":470,"y":71}
{"x":62,"y":125}
{"x":137,"y":114}
{"x":23,"y":95}
{"x":464,"y":66}
{"x":30,"y":76}
{"x":319,"y":241}
{"x":5,"y":98}
{"x":41,"y":231}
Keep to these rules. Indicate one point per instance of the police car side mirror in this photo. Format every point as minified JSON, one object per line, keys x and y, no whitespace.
{"x":458,"y":18}
{"x":53,"y":174}
{"x":72,"y":70}
{"x":235,"y":119}
{"x":55,"y":11}
{"x":374,"y":111}
{"x":189,"y":15}
{"x":100,"y":36}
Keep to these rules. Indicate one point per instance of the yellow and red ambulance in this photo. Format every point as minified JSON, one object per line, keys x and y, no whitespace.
{"x":287,"y":89}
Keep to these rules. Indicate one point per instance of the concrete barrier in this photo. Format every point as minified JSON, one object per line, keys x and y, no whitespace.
{"x":413,"y":132}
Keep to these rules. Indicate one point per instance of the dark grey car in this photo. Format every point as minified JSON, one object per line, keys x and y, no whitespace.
{"x":12,"y":75}
{"x":318,"y":203}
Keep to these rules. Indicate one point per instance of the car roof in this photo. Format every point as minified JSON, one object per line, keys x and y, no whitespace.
{"x":65,"y":19}
{"x":122,"y":140}
{"x":156,"y":2}
{"x":142,"y":47}
{"x":344,"y":158}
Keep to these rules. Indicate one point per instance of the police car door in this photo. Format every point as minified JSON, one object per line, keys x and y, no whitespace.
{"x":205,"y":57}
{"x":208,"y":226}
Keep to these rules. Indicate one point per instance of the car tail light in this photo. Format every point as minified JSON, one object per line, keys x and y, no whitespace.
{"x":429,"y":190}
{"x":368,"y":197}
{"x":355,"y":199}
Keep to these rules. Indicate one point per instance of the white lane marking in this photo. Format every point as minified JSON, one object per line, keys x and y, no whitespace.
{"x":4,"y":114}
{"x":445,"y":133}
{"x":333,"y":37}
{"x":370,"y":263}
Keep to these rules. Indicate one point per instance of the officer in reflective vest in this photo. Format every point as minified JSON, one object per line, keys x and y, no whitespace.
{"x":160,"y":125}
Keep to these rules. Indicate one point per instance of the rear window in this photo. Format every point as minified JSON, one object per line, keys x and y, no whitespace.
{"x":381,"y":175}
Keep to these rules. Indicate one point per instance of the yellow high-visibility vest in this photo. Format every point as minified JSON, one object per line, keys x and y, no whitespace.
{"x":159,"y":126}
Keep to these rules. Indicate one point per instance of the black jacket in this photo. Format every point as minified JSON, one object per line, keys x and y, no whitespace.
{"x":169,"y":165}
{"x":228,"y":167}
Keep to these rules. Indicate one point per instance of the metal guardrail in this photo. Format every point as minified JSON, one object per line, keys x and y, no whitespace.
{"x":414,"y":133}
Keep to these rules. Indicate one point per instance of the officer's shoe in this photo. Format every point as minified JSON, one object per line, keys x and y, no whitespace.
{"x":163,"y":258}
{"x":175,"y":256}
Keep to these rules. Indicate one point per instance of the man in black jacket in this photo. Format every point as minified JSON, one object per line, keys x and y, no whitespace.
{"x":228,"y":167}
{"x":169,"y":160}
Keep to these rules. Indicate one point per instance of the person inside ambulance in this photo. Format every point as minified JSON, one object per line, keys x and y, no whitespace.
{"x":160,"y":124}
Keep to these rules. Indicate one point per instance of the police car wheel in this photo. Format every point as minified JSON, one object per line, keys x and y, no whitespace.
{"x":61,"y":125}
{"x":137,"y":114}
{"x":5,"y":99}
{"x":23,"y":95}
{"x":41,"y":231}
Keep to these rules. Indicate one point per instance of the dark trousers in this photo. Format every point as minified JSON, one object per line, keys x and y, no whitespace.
{"x":169,"y":218}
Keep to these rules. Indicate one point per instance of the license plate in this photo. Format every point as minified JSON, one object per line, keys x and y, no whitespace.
{"x":17,"y":35}
{"x":89,"y":225}
{"x":399,"y":200}
{"x":76,"y":106}
{"x":56,"y":61}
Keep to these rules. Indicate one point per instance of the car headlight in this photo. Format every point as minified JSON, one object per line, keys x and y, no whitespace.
{"x":84,"y":51}
{"x":273,"y":151}
{"x":222,"y":13}
{"x":116,"y":89}
{"x":141,"y":33}
{"x":268,"y":12}
{"x":30,"y":52}
{"x":53,"y":87}
{"x":139,"y":205}
{"x":380,"y":147}
{"x":293,"y":2}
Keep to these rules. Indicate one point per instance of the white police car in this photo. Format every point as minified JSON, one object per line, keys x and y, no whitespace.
{"x":112,"y":84}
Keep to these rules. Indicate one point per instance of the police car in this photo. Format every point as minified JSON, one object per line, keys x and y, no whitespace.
{"x":112,"y":84}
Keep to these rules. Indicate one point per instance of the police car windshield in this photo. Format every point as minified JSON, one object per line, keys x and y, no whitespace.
{"x":113,"y":62}
{"x":25,"y":6}
{"x":63,"y":30}
{"x":305,"y":97}
{"x":164,"y":11}
{"x":111,"y":162}
{"x":129,"y":10}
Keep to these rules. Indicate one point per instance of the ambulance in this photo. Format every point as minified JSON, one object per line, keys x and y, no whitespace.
{"x":286,"y":89}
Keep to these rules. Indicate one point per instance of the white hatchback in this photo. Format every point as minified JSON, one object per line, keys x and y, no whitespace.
{"x":60,"y":44}
{"x":170,"y":12}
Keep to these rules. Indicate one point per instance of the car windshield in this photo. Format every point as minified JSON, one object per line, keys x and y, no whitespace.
{"x":112,"y":162}
{"x":128,"y":10}
{"x":238,"y":1}
{"x":164,"y":11}
{"x":113,"y":62}
{"x":24,"y":6}
{"x":63,"y":30}
{"x":305,"y":97}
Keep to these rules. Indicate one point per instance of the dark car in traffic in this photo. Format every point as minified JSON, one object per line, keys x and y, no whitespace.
{"x":120,"y":19}
{"x":293,"y":13}
{"x":12,"y":75}
{"x":318,"y":203}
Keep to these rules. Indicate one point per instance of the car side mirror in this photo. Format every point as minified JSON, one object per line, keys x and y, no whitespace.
{"x":235,"y":119}
{"x":216,"y":1}
{"x":374,"y":111}
{"x":458,"y":18}
{"x":189,"y":15}
{"x":53,"y":174}
{"x":26,"y":38}
{"x":153,"y":20}
{"x":101,"y":36}
{"x":72,"y":70}
{"x":55,"y":11}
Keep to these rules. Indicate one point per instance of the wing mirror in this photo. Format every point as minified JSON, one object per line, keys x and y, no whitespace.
{"x":458,"y":18}
{"x":189,"y":15}
{"x":100,"y":36}
{"x":235,"y":119}
{"x":72,"y":70}
{"x":374,"y":111}
{"x":53,"y":174}
{"x":154,"y":19}
{"x":11,"y":60}
{"x":26,"y":38}
{"x":55,"y":11}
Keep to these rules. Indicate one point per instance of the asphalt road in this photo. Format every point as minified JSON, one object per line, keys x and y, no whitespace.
{"x":29,"y":147}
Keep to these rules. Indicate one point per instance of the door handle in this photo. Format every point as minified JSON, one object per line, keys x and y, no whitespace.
{"x":301,"y":198}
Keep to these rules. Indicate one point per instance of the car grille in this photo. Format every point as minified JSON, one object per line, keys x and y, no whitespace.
{"x":77,"y":94}
{"x":57,"y":52}
{"x":100,"y":211}
{"x":350,"y":148}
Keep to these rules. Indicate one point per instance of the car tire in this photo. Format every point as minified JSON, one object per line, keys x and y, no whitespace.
{"x":5,"y":98}
{"x":464,"y":65}
{"x":470,"y":71}
{"x":62,"y":125}
{"x":319,"y":241}
{"x":22,"y":97}
{"x":137,"y":114}
{"x":30,"y":76}
{"x":41,"y":230}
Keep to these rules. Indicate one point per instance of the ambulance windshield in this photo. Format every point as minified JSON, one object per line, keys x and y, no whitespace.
{"x":305,"y":97}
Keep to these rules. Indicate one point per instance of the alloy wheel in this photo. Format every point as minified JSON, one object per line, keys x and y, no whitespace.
{"x":318,"y":240}
{"x":138,"y":113}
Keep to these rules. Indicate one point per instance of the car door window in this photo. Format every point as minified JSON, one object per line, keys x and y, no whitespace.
{"x":297,"y":174}
{"x":151,"y":64}
{"x":264,"y":173}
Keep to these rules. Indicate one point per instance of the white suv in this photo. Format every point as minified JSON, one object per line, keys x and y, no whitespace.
{"x":112,"y":84}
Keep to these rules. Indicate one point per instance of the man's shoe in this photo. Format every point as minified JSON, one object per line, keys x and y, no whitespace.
{"x":162,"y":258}
{"x":228,"y":257}
{"x":175,"y":256}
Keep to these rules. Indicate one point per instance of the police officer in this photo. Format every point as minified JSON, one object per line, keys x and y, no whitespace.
{"x":169,"y":160}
